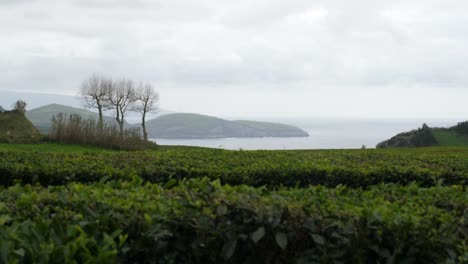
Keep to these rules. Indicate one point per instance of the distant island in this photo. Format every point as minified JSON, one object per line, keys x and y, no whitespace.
{"x":177,"y":125}
{"x":428,"y":137}
{"x":187,"y":125}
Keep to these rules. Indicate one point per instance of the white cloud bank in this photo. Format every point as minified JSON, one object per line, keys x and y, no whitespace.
{"x":249,"y":57}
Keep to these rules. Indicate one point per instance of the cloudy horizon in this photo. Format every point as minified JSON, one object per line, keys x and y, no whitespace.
{"x":369,"y":59}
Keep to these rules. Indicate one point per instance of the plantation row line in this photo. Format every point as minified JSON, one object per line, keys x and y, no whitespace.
{"x":199,"y":221}
{"x":257,"y":168}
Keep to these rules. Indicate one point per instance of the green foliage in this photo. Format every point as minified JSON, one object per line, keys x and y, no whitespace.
{"x":170,"y":205}
{"x":199,"y":221}
{"x":354,"y":168}
{"x":186,"y":125}
{"x":53,"y":147}
{"x":450,"y":138}
{"x":15,"y":128}
{"x":426,"y":137}
{"x":41,"y":117}
{"x":461,"y":128}
{"x":422,"y":137}
{"x":19,"y":107}
{"x":76,"y":130}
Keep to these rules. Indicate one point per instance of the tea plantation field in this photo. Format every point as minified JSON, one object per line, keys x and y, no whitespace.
{"x":74,"y":204}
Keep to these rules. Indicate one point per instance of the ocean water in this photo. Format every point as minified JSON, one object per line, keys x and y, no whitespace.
{"x":324,"y":134}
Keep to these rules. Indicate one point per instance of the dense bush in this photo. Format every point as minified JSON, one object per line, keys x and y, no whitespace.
{"x":354,"y":168}
{"x":203,"y":222}
{"x":75,"y":130}
{"x":461,"y":128}
{"x":422,"y":137}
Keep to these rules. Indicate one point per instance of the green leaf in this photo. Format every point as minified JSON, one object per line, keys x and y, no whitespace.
{"x":170,"y":183}
{"x":258,"y":235}
{"x":4,"y":219}
{"x":229,"y":248}
{"x":281,"y":240}
{"x":147,"y":218}
{"x":318,"y":239}
{"x":20,"y":252}
{"x":221,"y":210}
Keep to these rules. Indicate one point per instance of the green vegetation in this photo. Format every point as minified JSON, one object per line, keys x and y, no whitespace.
{"x":427,"y":137}
{"x":421,"y":137}
{"x":200,"y":126}
{"x":450,"y":138}
{"x":168,"y":126}
{"x":203,"y":222}
{"x":354,"y":168}
{"x":69,"y":203}
{"x":173,"y":125}
{"x":274,"y":129}
{"x":15,"y":128}
{"x":74,"y":130}
{"x":42,"y":117}
{"x":52,"y":147}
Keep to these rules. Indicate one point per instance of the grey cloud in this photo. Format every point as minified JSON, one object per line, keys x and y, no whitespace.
{"x":245,"y":43}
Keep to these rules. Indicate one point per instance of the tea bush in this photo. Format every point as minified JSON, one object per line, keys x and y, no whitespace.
{"x":354,"y":168}
{"x":199,"y":221}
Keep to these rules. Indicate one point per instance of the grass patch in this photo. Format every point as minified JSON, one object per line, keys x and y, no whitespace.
{"x":450,"y":138}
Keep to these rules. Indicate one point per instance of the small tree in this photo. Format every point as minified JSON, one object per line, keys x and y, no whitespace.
{"x":121,"y":97}
{"x":95,"y":91}
{"x":147,"y":100}
{"x":19,"y":106}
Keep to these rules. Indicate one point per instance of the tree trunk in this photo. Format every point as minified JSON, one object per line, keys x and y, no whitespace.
{"x":121,"y":123}
{"x":121,"y":127}
{"x":143,"y":126}
{"x":101,"y":120}
{"x":117,"y":117}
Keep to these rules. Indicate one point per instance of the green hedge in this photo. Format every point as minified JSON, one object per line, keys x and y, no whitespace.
{"x":203,"y":222}
{"x":358,"y":168}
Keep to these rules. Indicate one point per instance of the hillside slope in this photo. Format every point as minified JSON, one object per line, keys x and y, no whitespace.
{"x":427,"y":137}
{"x":41,"y":117}
{"x":187,"y":125}
{"x":16,"y":128}
{"x":274,"y":129}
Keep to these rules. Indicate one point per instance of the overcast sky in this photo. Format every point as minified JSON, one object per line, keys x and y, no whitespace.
{"x":249,"y":57}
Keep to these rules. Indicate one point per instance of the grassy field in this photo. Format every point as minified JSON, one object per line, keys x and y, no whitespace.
{"x":68,"y":203}
{"x":450,"y":138}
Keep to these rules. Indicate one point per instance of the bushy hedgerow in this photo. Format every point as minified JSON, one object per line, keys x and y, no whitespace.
{"x":358,"y":168}
{"x":199,"y":221}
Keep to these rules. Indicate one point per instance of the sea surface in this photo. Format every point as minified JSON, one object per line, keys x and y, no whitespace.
{"x":324,"y":134}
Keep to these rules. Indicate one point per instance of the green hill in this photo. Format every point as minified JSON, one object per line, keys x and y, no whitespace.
{"x":274,"y":129}
{"x":427,"y":137}
{"x":187,"y":125}
{"x":41,"y":117}
{"x":15,"y":128}
{"x":450,"y":138}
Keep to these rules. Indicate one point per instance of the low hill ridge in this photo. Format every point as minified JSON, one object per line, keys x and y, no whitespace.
{"x":42,"y":117}
{"x":176,"y":125}
{"x":196,"y":126}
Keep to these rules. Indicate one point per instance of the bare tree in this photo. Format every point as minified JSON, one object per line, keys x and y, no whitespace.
{"x":20,"y":106}
{"x":95,"y":93}
{"x":146,"y":101}
{"x":121,"y":97}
